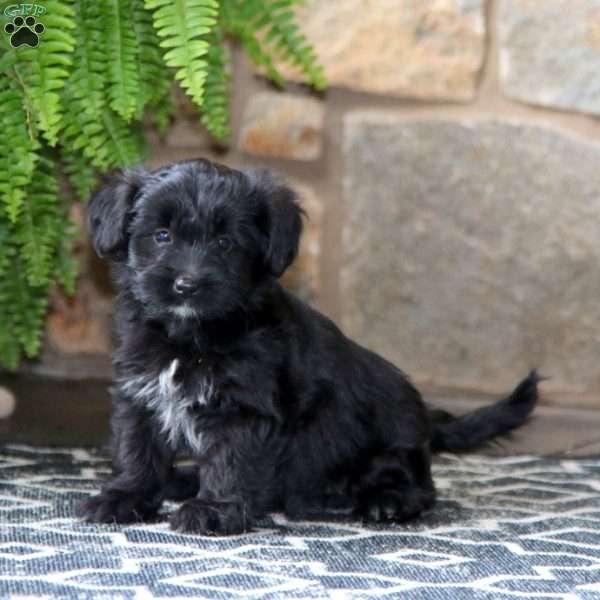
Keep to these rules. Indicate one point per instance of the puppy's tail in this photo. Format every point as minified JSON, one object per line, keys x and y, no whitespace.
{"x":478,"y":427}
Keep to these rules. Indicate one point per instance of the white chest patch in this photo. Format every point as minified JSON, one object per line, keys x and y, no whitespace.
{"x":173,"y":409}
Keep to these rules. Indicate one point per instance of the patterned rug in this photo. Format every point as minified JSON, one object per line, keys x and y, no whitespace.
{"x":520,"y":527}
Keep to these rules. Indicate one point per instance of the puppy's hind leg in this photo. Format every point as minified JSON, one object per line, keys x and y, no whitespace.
{"x":396,"y":485}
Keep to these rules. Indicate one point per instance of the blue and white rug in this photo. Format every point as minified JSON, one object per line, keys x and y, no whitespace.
{"x":519,"y":527}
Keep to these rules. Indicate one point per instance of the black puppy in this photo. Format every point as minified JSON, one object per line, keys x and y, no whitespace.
{"x":278,"y":408}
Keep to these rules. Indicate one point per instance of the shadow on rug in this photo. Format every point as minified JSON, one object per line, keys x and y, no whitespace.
{"x":503,"y":528}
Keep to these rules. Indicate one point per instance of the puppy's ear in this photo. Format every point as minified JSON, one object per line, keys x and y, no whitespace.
{"x":280,"y":219}
{"x":110,"y":211}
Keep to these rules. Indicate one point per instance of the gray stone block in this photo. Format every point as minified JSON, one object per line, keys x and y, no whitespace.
{"x":550,"y":52}
{"x":472,"y":250}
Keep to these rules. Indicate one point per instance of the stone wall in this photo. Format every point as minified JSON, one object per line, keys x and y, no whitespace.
{"x":451,"y":174}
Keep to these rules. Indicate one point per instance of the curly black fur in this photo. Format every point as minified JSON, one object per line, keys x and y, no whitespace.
{"x":278,"y":409}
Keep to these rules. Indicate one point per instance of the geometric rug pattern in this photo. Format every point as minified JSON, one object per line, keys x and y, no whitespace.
{"x":517,"y":527}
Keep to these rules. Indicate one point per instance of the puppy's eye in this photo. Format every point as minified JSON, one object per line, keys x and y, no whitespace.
{"x":162,"y":236}
{"x":224,"y":243}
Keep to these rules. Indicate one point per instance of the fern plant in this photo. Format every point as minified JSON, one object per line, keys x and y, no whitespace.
{"x":73,"y":106}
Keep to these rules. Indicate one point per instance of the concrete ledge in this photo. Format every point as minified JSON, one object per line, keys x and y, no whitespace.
{"x":69,"y":413}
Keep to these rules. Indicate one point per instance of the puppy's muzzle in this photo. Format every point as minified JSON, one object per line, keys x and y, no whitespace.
{"x":185,"y":285}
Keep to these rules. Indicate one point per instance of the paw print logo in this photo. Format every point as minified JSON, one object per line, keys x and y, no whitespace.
{"x":24,"y":32}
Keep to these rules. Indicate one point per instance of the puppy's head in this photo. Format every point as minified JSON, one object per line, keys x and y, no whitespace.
{"x":195,"y":239}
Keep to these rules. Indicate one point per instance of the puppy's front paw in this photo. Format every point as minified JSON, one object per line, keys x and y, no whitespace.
{"x":113,"y":506}
{"x":211,"y":518}
{"x":392,"y":505}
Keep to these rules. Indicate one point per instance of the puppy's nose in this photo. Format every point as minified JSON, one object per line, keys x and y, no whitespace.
{"x":185,"y":285}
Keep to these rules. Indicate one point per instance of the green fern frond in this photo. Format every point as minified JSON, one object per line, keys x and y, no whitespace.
{"x":105,"y":142}
{"x":35,"y":250}
{"x":22,"y":306}
{"x":8,"y":55}
{"x":80,"y":172}
{"x":43,"y":70}
{"x":83,"y":142}
{"x":10,"y":350}
{"x":39,"y":224}
{"x":238,"y":18}
{"x":266,"y":27}
{"x":161,"y":111}
{"x":285,"y":36}
{"x":17,"y":150}
{"x":125,"y":143}
{"x":122,"y":58}
{"x":154,"y":75}
{"x":86,"y":135}
{"x":88,"y":78}
{"x":67,"y":266}
{"x":22,"y":311}
{"x":5,"y":244}
{"x":184,"y":26}
{"x":215,"y":108}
